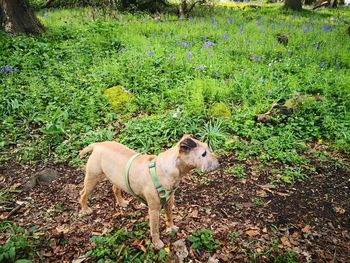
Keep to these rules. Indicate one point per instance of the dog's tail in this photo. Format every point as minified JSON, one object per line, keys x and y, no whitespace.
{"x":86,"y":150}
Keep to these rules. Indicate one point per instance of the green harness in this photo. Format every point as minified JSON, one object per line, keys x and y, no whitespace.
{"x":162,"y":193}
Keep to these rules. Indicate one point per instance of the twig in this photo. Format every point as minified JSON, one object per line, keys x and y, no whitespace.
{"x":13,"y":211}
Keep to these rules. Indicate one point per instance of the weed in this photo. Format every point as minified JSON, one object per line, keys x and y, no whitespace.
{"x":213,"y":134}
{"x":237,"y":170}
{"x":233,"y":235}
{"x":204,"y":239}
{"x":19,"y":244}
{"x":125,"y":246}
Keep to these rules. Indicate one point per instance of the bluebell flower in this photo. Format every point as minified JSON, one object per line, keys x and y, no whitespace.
{"x":208,"y":44}
{"x":6,"y":69}
{"x":149,"y":53}
{"x":259,"y":24}
{"x":306,"y":29}
{"x":230,"y":20}
{"x":189,"y":55}
{"x":225,"y":36}
{"x":256,"y":58}
{"x":326,"y":28}
{"x":241,"y":30}
{"x":185,"y":45}
{"x":200,"y":68}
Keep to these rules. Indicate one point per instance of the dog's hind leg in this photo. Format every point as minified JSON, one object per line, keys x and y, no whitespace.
{"x":118,"y":196}
{"x":90,"y":181}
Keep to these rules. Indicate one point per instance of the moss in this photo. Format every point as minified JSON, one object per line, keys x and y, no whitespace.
{"x":121,"y":101}
{"x":219,"y":110}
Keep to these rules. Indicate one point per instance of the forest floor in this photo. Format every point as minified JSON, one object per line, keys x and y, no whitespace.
{"x":253,"y":219}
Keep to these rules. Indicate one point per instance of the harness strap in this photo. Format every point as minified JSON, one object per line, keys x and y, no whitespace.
{"x":162,"y":193}
{"x":126,"y":175}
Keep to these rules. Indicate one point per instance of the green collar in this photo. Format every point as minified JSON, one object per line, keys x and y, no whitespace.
{"x":163,"y":194}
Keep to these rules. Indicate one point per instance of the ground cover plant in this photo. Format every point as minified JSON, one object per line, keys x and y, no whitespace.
{"x":145,"y":82}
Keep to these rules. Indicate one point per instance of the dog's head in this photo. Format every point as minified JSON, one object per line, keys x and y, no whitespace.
{"x":197,"y":154}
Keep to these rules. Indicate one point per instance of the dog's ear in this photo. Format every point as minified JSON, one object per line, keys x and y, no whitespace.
{"x":187,"y":145}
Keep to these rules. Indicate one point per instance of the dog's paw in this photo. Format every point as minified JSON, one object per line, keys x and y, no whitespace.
{"x":171,"y":230}
{"x":123,"y":203}
{"x":85,"y":212}
{"x":158,"y":245}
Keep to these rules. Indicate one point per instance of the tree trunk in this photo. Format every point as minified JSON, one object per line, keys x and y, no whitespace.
{"x":293,"y":4}
{"x":183,"y":9}
{"x":18,"y":18}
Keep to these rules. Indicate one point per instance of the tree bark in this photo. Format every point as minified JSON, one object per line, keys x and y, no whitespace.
{"x":183,"y":9}
{"x":293,"y":4}
{"x":18,"y":18}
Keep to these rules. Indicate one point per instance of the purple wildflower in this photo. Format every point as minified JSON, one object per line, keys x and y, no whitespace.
{"x":6,"y":69}
{"x":230,"y":20}
{"x":189,"y":55}
{"x":326,"y":28}
{"x":208,"y":44}
{"x":259,"y":24}
{"x":241,"y":30}
{"x":256,"y":58}
{"x":149,"y":53}
{"x":225,"y":36}
{"x":306,"y":29}
{"x":200,"y":68}
{"x":185,"y":45}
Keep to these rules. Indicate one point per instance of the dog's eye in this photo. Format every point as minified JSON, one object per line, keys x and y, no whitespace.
{"x":204,"y":154}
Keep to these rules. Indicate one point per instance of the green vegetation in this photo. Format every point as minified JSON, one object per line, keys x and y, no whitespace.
{"x":20,"y":244}
{"x":204,"y":239}
{"x":125,"y":246}
{"x":55,"y":91}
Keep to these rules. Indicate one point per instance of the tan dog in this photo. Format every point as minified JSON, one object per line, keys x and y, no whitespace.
{"x":109,"y":159}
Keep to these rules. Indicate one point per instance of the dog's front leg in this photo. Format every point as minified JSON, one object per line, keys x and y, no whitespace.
{"x":153,"y":211}
{"x":170,"y":228}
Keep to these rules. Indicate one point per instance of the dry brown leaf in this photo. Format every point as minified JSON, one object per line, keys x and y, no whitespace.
{"x":252,"y":232}
{"x":194,"y":213}
{"x":340,"y":210}
{"x":296,"y":235}
{"x":306,"y":229}
{"x":63,"y":229}
{"x":261,"y":193}
{"x":285,"y":241}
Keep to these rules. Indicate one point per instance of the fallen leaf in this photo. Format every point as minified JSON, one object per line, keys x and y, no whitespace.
{"x":79,"y":259}
{"x":63,"y":229}
{"x":285,"y":241}
{"x":306,"y":229}
{"x":340,"y":210}
{"x":252,"y":232}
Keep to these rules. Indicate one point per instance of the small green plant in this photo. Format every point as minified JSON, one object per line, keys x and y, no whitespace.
{"x":213,"y":134}
{"x":121,"y":246}
{"x":19,"y":244}
{"x":204,"y":239}
{"x":237,"y":170}
{"x":219,"y":110}
{"x":292,"y":175}
{"x":232,"y":236}
{"x":258,"y":201}
{"x":120,"y":100}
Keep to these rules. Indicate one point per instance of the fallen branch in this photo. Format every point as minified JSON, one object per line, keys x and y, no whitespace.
{"x":13,"y":211}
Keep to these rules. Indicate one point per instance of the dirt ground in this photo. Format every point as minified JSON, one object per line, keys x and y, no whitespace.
{"x":253,"y":219}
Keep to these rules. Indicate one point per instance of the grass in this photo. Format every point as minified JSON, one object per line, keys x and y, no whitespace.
{"x":52,"y":102}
